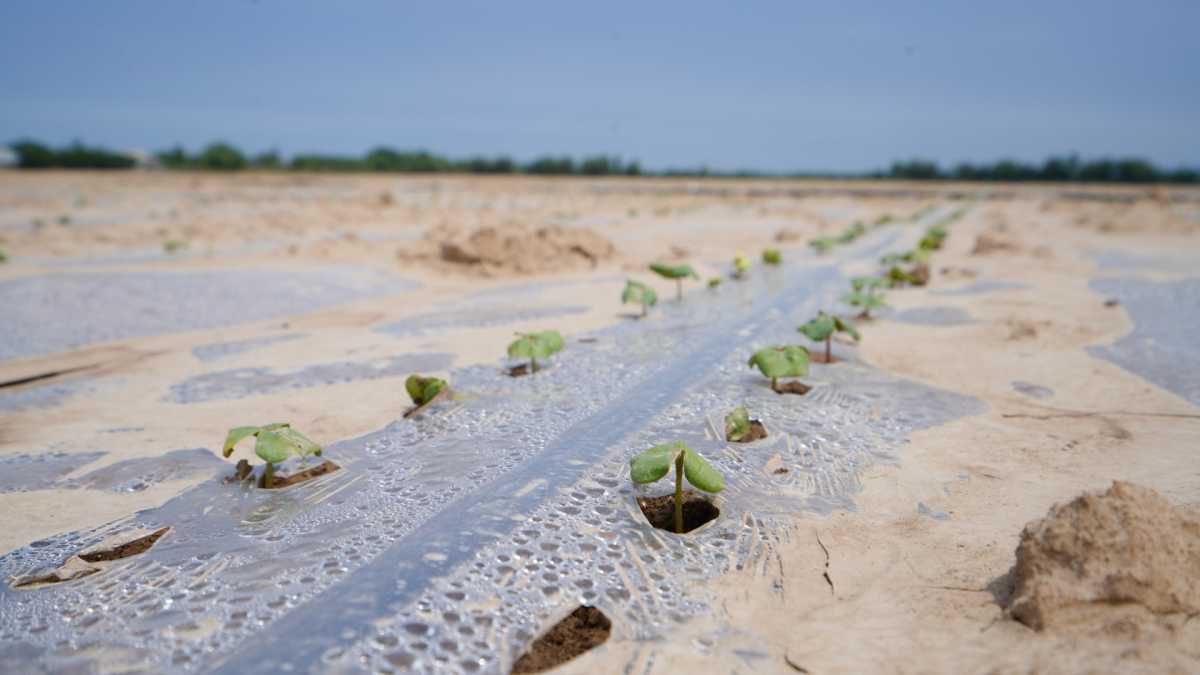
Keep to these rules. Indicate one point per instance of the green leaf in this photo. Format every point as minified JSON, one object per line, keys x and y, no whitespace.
{"x":740,"y":265}
{"x":654,"y":463}
{"x":845,"y":326}
{"x":639,"y":293}
{"x":300,"y":444}
{"x":822,"y":244}
{"x":552,"y":339}
{"x":235,"y":436}
{"x":772,"y":256}
{"x":674,"y":271}
{"x":415,"y":386}
{"x":781,"y":361}
{"x":700,"y":473}
{"x":864,"y":300}
{"x":819,"y":328}
{"x":272,"y":447}
{"x":866,"y":283}
{"x":737,"y":423}
{"x":529,"y":346}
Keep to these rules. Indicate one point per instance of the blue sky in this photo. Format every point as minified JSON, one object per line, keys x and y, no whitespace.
{"x":775,"y":86}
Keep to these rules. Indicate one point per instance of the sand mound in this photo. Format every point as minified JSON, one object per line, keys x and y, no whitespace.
{"x":493,"y":251}
{"x":1127,"y":546}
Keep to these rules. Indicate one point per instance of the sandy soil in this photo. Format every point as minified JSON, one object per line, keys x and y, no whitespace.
{"x":886,"y":588}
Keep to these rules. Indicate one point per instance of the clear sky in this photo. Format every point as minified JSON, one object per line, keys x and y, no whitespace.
{"x":775,"y":86}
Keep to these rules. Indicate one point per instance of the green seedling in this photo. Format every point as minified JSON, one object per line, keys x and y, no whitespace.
{"x":934,"y":236}
{"x":741,"y":265}
{"x":676,"y":272}
{"x":823,"y":326}
{"x":274,"y":444}
{"x":884,"y":220}
{"x":737,"y":423}
{"x":534,"y":346}
{"x":656,"y":462}
{"x":64,"y":220}
{"x":772,"y":256}
{"x":853,"y":232}
{"x":713,"y":282}
{"x":867,"y":283}
{"x":174,"y":245}
{"x":917,"y":275}
{"x":915,"y":256}
{"x":639,"y":293}
{"x":423,"y":391}
{"x":3,"y":256}
{"x":782,"y":361}
{"x":823,"y":244}
{"x":865,"y":300}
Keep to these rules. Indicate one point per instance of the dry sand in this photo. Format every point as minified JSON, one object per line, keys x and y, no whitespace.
{"x":885,"y":588}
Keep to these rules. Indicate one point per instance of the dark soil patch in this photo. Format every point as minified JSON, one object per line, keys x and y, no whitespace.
{"x":781,"y":470}
{"x":139,"y":545}
{"x":301,"y":476}
{"x":584,"y":629}
{"x":243,"y":471}
{"x":796,"y":387}
{"x":522,"y":370}
{"x":819,"y":357}
{"x":660,"y":511}
{"x":757,"y":432}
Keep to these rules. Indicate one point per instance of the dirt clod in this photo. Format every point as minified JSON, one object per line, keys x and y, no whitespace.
{"x":490,"y":250}
{"x":301,"y":476}
{"x":987,"y":244}
{"x":1088,"y":559}
{"x":660,"y":511}
{"x":794,"y":387}
{"x":757,"y":432}
{"x":583,"y":629}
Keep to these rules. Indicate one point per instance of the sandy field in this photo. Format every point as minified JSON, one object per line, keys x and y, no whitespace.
{"x":917,"y":576}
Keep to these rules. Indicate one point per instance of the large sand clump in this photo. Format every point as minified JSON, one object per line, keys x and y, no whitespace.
{"x":1127,"y":546}
{"x":518,"y":250}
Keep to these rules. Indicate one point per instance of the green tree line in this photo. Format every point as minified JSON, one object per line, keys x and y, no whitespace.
{"x":222,"y":156}
{"x":1054,"y":169}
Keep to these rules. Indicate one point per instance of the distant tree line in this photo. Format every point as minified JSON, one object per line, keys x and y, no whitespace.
{"x":225,"y":157}
{"x":33,"y":155}
{"x":221,"y":156}
{"x":1055,"y":169}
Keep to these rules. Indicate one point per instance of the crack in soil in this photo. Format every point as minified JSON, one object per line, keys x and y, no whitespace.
{"x":825,"y":574}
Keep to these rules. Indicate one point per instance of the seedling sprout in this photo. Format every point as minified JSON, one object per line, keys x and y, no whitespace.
{"x":822,"y":328}
{"x":782,"y":361}
{"x":3,"y":256}
{"x":656,"y":462}
{"x":713,"y":282}
{"x":823,"y":244}
{"x":865,"y":299}
{"x":639,"y":293}
{"x":772,"y":256}
{"x":174,"y":245}
{"x":741,"y":265}
{"x":676,"y":272}
{"x":423,"y":391}
{"x":534,"y":346}
{"x":274,"y":444}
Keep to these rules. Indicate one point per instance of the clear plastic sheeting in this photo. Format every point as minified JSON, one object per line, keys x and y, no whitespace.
{"x":1162,"y":347}
{"x":55,"y":312}
{"x":449,"y":540}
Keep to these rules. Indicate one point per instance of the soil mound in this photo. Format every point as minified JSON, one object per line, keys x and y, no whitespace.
{"x":1100,"y":552}
{"x":494,"y":251}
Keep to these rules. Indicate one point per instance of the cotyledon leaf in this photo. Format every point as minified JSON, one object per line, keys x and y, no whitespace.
{"x":272,"y":447}
{"x":235,"y":436}
{"x":654,"y":463}
{"x":700,"y":473}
